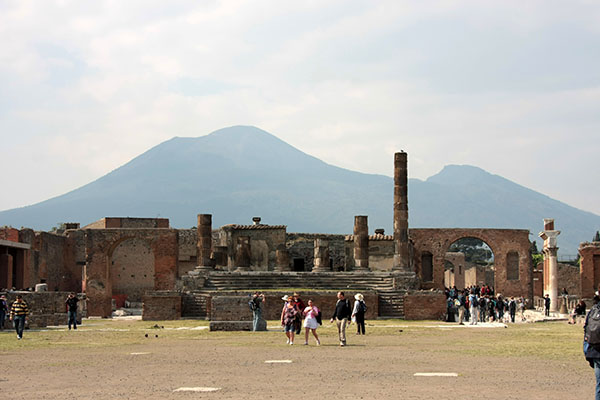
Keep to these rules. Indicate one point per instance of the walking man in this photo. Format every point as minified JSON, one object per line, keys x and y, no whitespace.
{"x":18,"y":314}
{"x":547,"y":305}
{"x":341,"y":315}
{"x":71,"y":305}
{"x":474,"y":303}
{"x":512,"y":309}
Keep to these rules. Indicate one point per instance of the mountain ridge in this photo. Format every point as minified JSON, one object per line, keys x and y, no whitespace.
{"x":239,"y":172}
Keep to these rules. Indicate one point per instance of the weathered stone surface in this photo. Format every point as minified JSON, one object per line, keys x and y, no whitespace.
{"x":321,"y":256}
{"x":424,"y":305}
{"x":230,"y":325}
{"x":161,"y":306}
{"x":361,"y":243}
{"x":590,"y":268}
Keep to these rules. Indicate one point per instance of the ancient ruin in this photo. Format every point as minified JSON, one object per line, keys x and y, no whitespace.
{"x":195,"y":272}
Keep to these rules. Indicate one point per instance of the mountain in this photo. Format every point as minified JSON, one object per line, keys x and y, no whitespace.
{"x":240,"y":172}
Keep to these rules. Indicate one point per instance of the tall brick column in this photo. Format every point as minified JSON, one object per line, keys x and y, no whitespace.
{"x":6,"y":271}
{"x":204,"y":248}
{"x":550,"y":262}
{"x":401,"y":249}
{"x":321,"y":259}
{"x":361,"y":243}
{"x":242,"y":253}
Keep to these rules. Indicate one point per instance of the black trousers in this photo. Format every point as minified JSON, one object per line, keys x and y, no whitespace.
{"x":360,"y":324}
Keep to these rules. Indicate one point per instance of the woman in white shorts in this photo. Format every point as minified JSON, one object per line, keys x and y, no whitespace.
{"x":310,"y":321}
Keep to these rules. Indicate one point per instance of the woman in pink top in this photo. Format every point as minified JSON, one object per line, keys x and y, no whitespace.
{"x":311,"y":321}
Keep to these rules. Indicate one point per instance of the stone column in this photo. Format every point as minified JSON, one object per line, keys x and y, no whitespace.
{"x":242,"y":253}
{"x":321,"y":259}
{"x":401,"y":248}
{"x":550,"y":259}
{"x":361,"y":243}
{"x":204,"y":248}
{"x":282,"y":259}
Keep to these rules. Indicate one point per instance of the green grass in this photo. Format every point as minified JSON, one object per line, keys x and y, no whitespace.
{"x":555,"y":340}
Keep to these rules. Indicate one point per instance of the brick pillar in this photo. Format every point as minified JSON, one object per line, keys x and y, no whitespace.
{"x":6,"y":271}
{"x":282,"y":259}
{"x":401,"y":249}
{"x":361,"y":243}
{"x":242,"y":253}
{"x":321,"y":259}
{"x":204,"y":248}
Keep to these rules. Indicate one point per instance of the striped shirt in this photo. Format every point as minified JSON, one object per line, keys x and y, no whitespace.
{"x":19,"y":308}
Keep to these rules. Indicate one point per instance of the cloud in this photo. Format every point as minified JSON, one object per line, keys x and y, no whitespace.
{"x":86,"y":86}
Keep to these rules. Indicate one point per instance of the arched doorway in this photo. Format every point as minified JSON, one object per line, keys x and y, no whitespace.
{"x":469,"y":261}
{"x":132,"y":269}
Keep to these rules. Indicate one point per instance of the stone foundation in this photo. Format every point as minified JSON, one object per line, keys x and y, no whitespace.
{"x":161,"y":306}
{"x":424,"y":305}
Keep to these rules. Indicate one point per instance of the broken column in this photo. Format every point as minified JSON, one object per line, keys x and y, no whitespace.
{"x":550,"y":251}
{"x":204,"y":247}
{"x":282,"y":259}
{"x":401,"y":249}
{"x":361,"y":243}
{"x":242,"y":253}
{"x":321,"y":256}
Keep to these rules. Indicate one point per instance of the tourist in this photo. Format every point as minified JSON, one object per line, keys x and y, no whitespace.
{"x":592,"y":352}
{"x":474,"y":307}
{"x":256,"y":304}
{"x":521,"y":307}
{"x":358,"y":313}
{"x":482,"y":308}
{"x":18,"y":314}
{"x":71,"y":305}
{"x":461,"y":307}
{"x":311,"y":321}
{"x":491,"y":309}
{"x":288,"y":316}
{"x":3,"y":311}
{"x":512,"y":309}
{"x":341,"y":316}
{"x":299,"y":304}
{"x":547,"y":305}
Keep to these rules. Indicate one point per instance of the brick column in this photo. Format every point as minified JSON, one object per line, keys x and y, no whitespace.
{"x":401,"y":249}
{"x":204,"y":247}
{"x":6,"y":271}
{"x":282,"y":259}
{"x":321,"y":256}
{"x":550,"y":262}
{"x":361,"y":243}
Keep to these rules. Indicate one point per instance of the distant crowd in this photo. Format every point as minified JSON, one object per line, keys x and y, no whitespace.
{"x":479,"y":304}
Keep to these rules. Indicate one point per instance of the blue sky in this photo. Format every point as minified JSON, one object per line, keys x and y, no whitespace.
{"x":512,"y":87}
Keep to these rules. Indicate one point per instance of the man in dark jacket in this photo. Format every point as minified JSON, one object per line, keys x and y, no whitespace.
{"x":512,"y":309}
{"x":341,"y":316}
{"x":71,"y":306}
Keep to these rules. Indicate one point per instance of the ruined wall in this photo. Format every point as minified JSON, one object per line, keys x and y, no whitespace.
{"x":569,"y":278}
{"x":10,"y":234}
{"x":129,"y":223}
{"x":46,"y":308}
{"x":381,"y":252}
{"x":132,"y":268}
{"x":56,"y":263}
{"x":161,"y":306}
{"x":188,"y":257}
{"x":100,"y":246}
{"x":301,"y":247}
{"x":231,"y":307}
{"x":460,"y":265}
{"x":478,"y":275}
{"x":501,"y":241}
{"x":589,"y":268}
{"x":264,"y":240}
{"x":420,"y":305}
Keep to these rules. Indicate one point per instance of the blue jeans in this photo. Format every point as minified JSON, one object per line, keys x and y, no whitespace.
{"x":19,"y":321}
{"x":256,"y":317}
{"x":73,"y":319}
{"x":597,"y":372}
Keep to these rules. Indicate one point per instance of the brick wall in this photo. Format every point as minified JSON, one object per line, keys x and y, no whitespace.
{"x":424,"y":305}
{"x":46,"y":308}
{"x":11,"y":234}
{"x":161,"y":307}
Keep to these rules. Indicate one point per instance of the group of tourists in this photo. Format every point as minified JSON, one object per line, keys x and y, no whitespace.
{"x":295,"y":314}
{"x":475,"y":305}
{"x":19,"y":312}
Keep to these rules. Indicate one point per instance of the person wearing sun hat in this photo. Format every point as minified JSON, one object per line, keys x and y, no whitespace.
{"x":358,"y":313}
{"x":288,"y":317}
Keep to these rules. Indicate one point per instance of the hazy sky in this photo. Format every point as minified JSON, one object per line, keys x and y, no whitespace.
{"x":512,"y":87}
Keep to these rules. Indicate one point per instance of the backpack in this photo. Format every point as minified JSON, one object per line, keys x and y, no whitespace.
{"x":252,"y":304}
{"x":362,"y":307}
{"x":592,"y":328}
{"x":475,"y":302}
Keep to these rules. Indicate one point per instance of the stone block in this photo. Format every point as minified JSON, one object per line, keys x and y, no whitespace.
{"x":230,"y":325}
